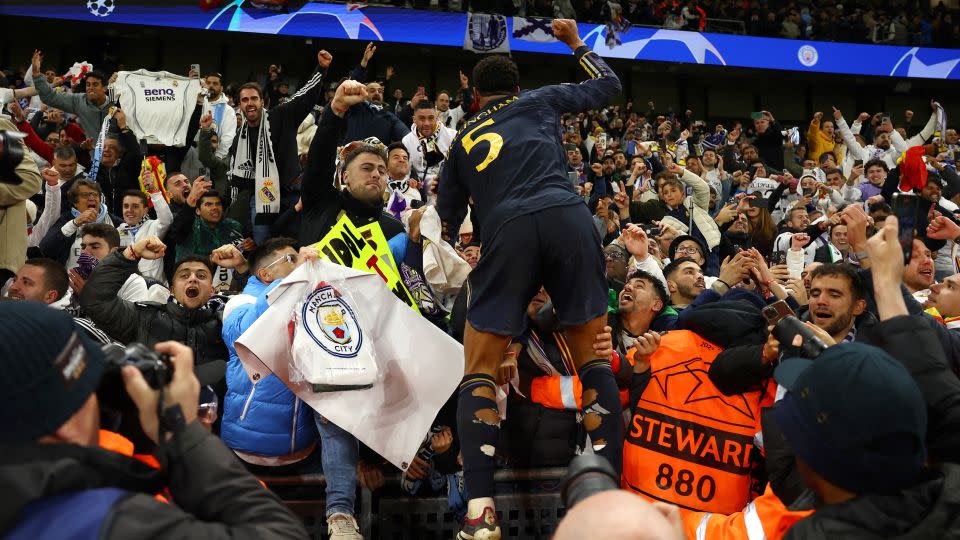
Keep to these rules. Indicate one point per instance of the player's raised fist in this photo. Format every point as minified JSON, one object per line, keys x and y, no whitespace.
{"x":566,"y":31}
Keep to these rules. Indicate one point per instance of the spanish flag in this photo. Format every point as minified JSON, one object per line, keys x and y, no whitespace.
{"x":159,"y":174}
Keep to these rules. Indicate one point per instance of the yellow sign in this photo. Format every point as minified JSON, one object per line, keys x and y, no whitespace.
{"x":364,"y":249}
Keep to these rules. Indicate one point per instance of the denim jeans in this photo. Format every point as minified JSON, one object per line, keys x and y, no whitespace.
{"x":340,"y":452}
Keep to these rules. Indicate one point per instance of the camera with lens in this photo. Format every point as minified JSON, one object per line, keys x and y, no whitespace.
{"x":787,"y":329}
{"x":156,"y":368}
{"x":587,"y":474}
{"x":118,"y":412}
{"x":11,"y":154}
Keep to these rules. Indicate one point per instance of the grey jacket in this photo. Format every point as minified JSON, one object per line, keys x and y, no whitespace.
{"x":89,"y":116}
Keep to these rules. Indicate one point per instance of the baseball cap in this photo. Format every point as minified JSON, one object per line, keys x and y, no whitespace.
{"x":672,"y":250}
{"x":855,"y":416}
{"x":50,"y":368}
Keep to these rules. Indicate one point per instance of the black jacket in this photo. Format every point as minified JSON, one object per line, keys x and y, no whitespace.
{"x":931,"y":509}
{"x":215,"y":497}
{"x":741,"y":369}
{"x":124,"y":175}
{"x":284,"y":121}
{"x":770,"y":146}
{"x":322,"y":201}
{"x":149,"y":323}
{"x":912,"y":340}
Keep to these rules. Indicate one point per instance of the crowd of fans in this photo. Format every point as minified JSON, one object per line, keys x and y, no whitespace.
{"x":858,"y":21}
{"x":702,"y":227}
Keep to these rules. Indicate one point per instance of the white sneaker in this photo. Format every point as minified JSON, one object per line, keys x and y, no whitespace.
{"x":342,"y":526}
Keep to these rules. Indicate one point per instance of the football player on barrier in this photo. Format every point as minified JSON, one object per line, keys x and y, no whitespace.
{"x":536,"y":232}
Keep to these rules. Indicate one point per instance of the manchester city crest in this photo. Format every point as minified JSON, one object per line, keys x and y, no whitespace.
{"x":331,"y":322}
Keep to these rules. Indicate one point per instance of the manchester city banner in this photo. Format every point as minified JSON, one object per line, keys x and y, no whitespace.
{"x":345,"y":318}
{"x":486,"y":34}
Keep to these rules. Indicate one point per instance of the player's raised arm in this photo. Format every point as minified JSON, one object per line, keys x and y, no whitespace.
{"x":602,"y":85}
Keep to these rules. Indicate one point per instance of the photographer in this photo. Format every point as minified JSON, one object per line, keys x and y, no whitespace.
{"x":50,"y":415}
{"x":19,"y":180}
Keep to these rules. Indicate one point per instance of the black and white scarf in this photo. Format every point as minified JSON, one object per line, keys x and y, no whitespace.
{"x":261,"y":168}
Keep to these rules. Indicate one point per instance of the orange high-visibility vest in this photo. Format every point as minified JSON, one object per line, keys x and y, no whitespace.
{"x":115,"y":442}
{"x":687,"y":443}
{"x":765,"y":518}
{"x":564,"y":392}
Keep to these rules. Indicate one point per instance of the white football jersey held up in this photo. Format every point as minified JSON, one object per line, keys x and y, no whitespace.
{"x":158,"y":104}
{"x":345,"y":317}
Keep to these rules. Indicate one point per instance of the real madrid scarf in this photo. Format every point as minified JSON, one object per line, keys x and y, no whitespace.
{"x":261,"y":168}
{"x":98,"y":150}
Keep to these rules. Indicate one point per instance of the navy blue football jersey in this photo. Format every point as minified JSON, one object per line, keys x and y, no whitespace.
{"x":509,"y":156}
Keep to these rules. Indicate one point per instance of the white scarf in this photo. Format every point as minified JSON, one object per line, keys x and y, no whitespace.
{"x":262,"y":169}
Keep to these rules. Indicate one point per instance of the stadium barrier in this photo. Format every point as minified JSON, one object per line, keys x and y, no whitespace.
{"x":528,"y":503}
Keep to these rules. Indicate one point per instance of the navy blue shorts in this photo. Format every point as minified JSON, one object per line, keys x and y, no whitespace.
{"x":558,"y":248}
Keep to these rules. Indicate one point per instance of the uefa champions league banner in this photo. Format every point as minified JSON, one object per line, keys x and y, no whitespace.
{"x":367,"y":23}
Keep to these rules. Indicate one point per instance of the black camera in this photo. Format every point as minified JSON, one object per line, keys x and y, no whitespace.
{"x":155,"y":367}
{"x":787,"y":329}
{"x":117,"y":411}
{"x":587,"y":475}
{"x":11,"y":154}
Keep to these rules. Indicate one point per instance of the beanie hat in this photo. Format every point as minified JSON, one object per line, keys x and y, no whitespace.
{"x":50,"y":369}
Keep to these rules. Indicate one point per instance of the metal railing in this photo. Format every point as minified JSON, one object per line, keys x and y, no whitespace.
{"x":528,"y":503}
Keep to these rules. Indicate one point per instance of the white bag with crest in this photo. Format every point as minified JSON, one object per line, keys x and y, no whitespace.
{"x":332,"y":347}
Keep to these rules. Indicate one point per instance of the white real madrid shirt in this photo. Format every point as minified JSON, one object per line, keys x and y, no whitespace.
{"x":158,"y":104}
{"x":418,"y":365}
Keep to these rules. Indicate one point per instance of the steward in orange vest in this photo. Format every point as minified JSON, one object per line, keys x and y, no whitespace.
{"x":687,"y":443}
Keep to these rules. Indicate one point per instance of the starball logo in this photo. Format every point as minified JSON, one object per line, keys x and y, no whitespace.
{"x":159,"y":94}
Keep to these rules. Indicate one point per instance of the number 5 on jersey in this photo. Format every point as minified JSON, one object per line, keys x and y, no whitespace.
{"x":496,"y":143}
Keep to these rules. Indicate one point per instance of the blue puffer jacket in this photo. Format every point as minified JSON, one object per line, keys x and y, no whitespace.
{"x":262,"y":417}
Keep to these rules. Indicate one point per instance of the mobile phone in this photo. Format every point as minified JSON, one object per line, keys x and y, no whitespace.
{"x":757,"y":202}
{"x":778,"y":257}
{"x":652,"y":231}
{"x":884,"y":119}
{"x":777,"y":311}
{"x":857,"y":162}
{"x":906,"y":206}
{"x":602,"y":140}
{"x":807,"y":191}
{"x":574,"y":178}
{"x":756,"y":115}
{"x":421,"y":90}
{"x":205,"y":173}
{"x":732,"y":201}
{"x":195,"y":68}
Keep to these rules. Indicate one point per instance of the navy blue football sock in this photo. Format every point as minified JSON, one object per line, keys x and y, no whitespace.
{"x":479,"y":424}
{"x":601,"y":411}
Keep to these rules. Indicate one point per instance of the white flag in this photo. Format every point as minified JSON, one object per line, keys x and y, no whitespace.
{"x":486,"y":34}
{"x":532,"y":29}
{"x":420,"y":366}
